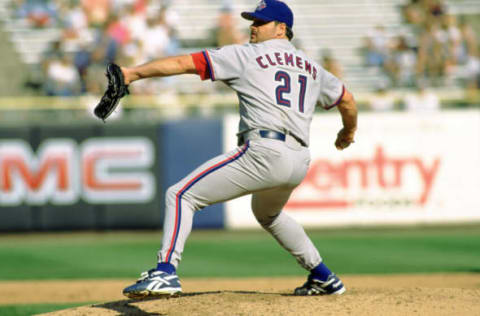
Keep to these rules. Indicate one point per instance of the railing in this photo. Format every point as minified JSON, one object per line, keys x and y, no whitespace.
{"x":213,"y":100}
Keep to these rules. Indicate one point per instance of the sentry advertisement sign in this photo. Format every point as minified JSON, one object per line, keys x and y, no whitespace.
{"x":404,"y":168}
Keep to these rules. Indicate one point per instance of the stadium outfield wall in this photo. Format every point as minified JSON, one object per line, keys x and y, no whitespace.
{"x":404,"y":168}
{"x":100,"y":176}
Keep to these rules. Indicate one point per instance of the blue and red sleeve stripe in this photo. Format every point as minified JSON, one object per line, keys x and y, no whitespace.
{"x":338,"y":100}
{"x":203,"y":64}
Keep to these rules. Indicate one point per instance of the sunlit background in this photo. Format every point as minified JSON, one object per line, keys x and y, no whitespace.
{"x":412,"y":65}
{"x":396,"y":54}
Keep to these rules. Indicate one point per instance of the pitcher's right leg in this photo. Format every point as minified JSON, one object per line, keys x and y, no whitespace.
{"x":267,"y":207}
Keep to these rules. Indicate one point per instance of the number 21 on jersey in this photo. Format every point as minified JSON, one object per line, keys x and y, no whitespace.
{"x":285,"y":88}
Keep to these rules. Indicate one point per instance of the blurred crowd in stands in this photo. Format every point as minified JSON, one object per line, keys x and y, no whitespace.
{"x":95,"y":32}
{"x":434,"y":49}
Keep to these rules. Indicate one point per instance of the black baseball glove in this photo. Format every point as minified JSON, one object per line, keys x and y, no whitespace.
{"x":115,"y":91}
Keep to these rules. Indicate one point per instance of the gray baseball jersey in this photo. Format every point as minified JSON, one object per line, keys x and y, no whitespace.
{"x":278,"y":87}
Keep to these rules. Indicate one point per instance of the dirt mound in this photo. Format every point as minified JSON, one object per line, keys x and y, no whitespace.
{"x":452,"y":294}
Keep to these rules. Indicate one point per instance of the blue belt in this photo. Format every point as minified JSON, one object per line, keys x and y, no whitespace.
{"x":274,"y":135}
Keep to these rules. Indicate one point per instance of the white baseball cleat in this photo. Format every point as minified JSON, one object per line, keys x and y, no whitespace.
{"x":154,"y":283}
{"x":333,"y":285}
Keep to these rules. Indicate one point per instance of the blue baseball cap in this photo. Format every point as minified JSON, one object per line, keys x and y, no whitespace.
{"x":271,"y":10}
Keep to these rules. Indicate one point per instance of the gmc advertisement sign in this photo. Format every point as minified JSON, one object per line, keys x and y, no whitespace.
{"x":80,"y":177}
{"x":100,"y":176}
{"x":110,"y":170}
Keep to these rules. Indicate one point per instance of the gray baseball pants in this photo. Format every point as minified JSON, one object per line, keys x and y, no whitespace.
{"x":268,"y":169}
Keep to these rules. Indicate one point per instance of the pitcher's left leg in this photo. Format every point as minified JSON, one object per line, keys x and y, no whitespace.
{"x":222,"y":178}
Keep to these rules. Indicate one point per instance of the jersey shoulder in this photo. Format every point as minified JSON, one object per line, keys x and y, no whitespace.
{"x":233,"y":47}
{"x":234,"y":51}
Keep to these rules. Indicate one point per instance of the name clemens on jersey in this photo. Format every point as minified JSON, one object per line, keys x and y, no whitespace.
{"x":286,"y":59}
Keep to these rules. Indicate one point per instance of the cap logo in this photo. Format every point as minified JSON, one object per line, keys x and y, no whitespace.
{"x":262,"y":5}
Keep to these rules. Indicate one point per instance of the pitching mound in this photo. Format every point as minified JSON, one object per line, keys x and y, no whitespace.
{"x":452,"y":294}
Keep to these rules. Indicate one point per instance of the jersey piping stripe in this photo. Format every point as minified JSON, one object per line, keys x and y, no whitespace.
{"x":178,"y":204}
{"x":210,"y":66}
{"x":338,"y":100}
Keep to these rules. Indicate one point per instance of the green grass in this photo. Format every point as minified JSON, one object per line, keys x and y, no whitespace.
{"x":239,"y":254}
{"x":33,"y":309}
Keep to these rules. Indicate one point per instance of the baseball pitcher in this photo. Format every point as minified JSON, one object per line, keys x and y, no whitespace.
{"x":278,"y":88}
